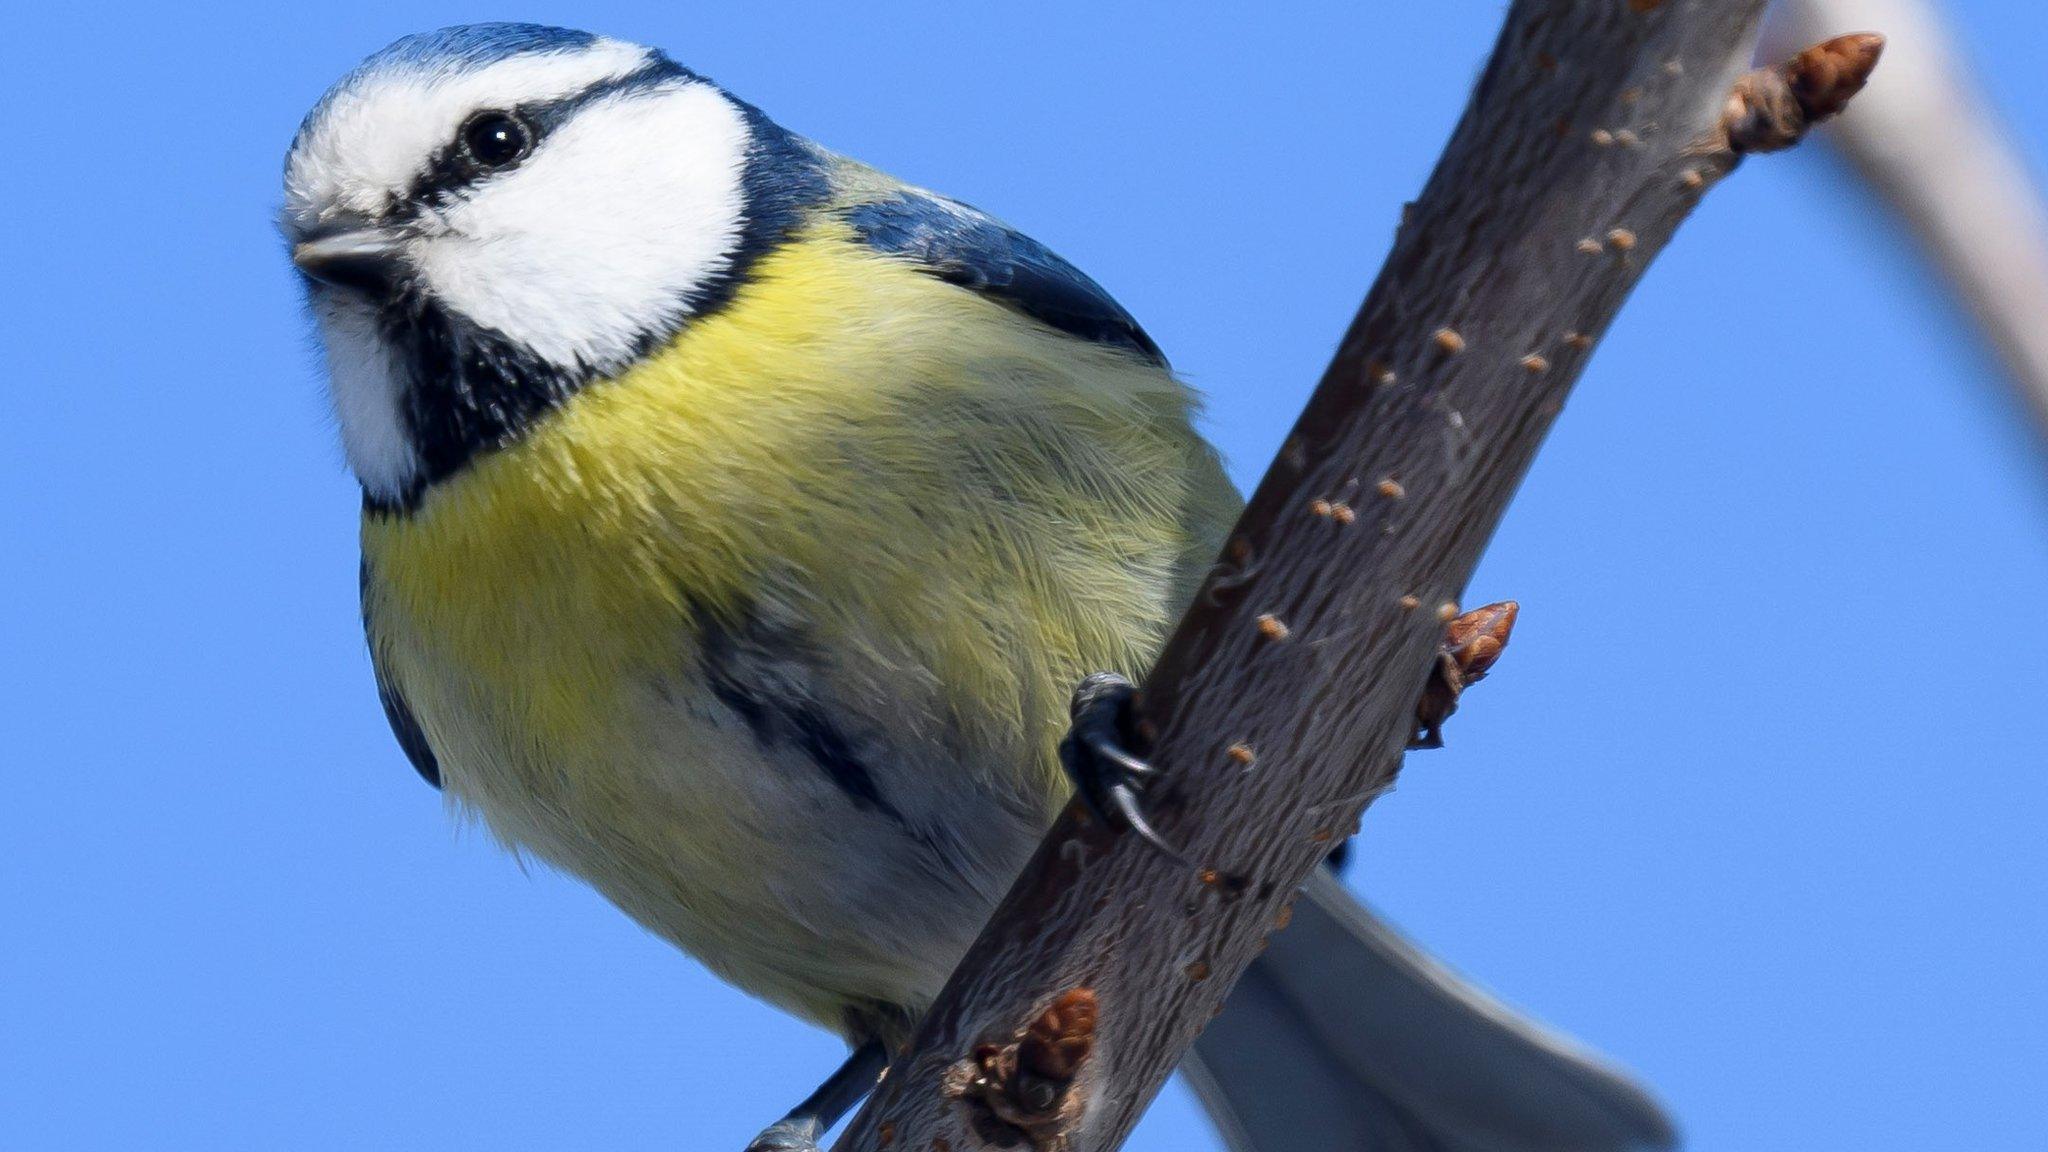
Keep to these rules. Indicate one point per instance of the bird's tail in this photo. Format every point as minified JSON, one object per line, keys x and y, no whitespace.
{"x":1344,"y":1037}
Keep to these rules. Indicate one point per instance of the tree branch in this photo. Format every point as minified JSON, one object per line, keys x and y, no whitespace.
{"x":1280,"y":706}
{"x":1931,"y":146}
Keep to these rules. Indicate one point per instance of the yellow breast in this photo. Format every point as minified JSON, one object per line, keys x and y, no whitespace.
{"x":962,"y":512}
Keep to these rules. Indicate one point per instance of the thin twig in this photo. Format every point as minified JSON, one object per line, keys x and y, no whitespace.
{"x":1594,"y":131}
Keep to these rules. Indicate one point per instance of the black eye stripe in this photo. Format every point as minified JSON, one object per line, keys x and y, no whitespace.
{"x":453,"y":168}
{"x":457,"y":165}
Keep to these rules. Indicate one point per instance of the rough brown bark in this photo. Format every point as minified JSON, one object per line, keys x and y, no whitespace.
{"x":1280,"y":706}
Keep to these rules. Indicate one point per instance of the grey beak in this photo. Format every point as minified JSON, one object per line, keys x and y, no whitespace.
{"x":363,"y":259}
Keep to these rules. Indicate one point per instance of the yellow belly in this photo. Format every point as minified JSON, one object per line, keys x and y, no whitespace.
{"x":945,"y":512}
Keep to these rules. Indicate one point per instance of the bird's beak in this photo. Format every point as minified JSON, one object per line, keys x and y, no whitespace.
{"x":364,"y":259}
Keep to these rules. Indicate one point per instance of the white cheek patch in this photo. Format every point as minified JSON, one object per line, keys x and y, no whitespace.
{"x":599,"y":237}
{"x":371,"y":139}
{"x":367,"y":385}
{"x":593,"y":243}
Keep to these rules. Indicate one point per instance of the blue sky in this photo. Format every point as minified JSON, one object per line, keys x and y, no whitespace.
{"x":1754,"y":804}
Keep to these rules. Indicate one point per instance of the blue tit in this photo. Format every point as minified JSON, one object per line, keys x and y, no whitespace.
{"x":736,"y":523}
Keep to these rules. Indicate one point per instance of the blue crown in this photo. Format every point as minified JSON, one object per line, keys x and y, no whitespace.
{"x":462,"y":48}
{"x":468,"y":46}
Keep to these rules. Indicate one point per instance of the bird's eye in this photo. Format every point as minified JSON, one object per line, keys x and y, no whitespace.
{"x":495,"y":139}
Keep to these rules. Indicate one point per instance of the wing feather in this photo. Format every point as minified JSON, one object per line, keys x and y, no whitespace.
{"x":964,"y":246}
{"x":404,"y":725}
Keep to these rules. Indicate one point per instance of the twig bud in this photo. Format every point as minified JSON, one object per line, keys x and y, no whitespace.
{"x":1771,"y":108}
{"x":1472,"y":643}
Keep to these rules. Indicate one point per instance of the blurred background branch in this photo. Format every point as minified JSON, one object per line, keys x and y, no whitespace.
{"x":1931,"y":145}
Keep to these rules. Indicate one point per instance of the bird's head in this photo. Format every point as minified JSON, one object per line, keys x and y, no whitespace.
{"x":489,"y":216}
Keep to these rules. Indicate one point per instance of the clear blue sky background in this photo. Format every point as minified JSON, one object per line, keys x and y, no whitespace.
{"x":1791,"y":869}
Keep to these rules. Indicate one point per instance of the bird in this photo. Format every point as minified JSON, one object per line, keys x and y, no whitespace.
{"x":737,"y":523}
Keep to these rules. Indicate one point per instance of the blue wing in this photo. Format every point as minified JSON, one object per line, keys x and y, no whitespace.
{"x":964,"y":246}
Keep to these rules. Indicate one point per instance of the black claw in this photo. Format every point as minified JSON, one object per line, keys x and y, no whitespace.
{"x":1130,"y":765}
{"x":1106,"y":774}
{"x":1126,"y":802}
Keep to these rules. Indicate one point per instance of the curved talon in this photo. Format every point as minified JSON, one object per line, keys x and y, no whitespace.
{"x":1134,"y":818}
{"x":1108,"y":776}
{"x":1132,"y":766}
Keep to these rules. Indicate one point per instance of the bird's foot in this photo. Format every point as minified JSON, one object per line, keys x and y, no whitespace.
{"x":1096,"y":754}
{"x":806,"y":1124}
{"x":792,"y":1135}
